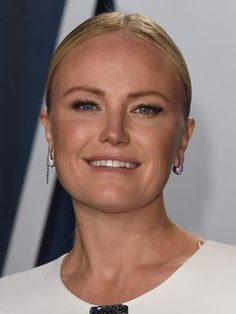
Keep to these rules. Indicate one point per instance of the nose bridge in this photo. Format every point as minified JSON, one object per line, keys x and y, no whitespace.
{"x":115,"y":126}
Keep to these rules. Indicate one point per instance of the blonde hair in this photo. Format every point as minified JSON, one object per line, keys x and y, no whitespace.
{"x":137,"y":24}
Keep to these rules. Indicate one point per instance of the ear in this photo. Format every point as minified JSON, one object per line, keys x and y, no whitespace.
{"x":186,"y":136}
{"x":44,"y":118}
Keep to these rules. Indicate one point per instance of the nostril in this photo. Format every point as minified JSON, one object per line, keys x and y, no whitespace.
{"x":115,"y":135}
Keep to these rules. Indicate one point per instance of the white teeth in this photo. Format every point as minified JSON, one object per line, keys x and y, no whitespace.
{"x":109,"y":163}
{"x":122,"y":164}
{"x":115,"y":164}
{"x":112,"y":164}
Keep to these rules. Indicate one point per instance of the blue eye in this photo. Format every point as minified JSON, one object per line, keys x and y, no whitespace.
{"x":148,"y":109}
{"x":85,"y":106}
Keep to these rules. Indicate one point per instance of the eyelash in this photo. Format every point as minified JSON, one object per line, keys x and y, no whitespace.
{"x":80,"y":105}
{"x":153,"y":109}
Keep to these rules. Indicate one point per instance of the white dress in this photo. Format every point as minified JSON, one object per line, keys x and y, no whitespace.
{"x":204,"y":284}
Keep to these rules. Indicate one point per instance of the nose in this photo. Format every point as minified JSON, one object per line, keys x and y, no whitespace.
{"x":114,"y":130}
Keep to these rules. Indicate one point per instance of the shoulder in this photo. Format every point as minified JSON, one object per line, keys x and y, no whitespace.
{"x":215,"y":268}
{"x":209,"y":284}
{"x":28,"y":287}
{"x":230,"y":248}
{"x":219,"y":253}
{"x":218,"y":257}
{"x":30,"y":278}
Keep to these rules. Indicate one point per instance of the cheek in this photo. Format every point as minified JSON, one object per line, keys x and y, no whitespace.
{"x":160,"y":143}
{"x":69,"y":139}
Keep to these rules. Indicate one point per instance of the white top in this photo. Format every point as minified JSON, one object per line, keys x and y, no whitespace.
{"x":204,"y":284}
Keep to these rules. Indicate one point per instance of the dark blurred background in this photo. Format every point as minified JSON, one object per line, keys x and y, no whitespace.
{"x":28,"y":34}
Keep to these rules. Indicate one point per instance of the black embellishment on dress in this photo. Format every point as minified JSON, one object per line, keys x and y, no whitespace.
{"x":109,"y":309}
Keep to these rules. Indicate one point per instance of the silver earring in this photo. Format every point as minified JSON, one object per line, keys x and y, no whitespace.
{"x":178,"y":170}
{"x":50,"y":163}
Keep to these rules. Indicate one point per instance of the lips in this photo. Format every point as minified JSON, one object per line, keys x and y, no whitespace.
{"x":112,"y":162}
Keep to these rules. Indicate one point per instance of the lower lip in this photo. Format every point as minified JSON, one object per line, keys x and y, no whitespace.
{"x":113,"y":170}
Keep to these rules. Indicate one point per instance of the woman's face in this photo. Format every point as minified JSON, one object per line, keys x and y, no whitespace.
{"x":116,"y":122}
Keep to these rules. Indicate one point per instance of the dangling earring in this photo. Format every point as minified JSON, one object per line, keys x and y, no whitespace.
{"x":178,"y":170}
{"x":50,"y":162}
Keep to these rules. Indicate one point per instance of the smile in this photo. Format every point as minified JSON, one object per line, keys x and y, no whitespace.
{"x":112,"y":164}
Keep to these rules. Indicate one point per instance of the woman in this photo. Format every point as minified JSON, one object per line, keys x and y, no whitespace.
{"x":117,"y":122}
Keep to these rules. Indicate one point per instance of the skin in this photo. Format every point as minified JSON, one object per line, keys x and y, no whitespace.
{"x":124,"y":238}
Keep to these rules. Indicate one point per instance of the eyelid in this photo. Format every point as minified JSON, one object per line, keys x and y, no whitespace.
{"x":156,"y":107}
{"x":148,"y":104}
{"x":80,"y":102}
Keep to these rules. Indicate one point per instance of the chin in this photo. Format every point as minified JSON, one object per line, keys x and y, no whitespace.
{"x":109,"y":201}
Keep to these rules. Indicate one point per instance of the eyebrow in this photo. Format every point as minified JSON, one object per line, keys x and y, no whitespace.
{"x":148,"y":93}
{"x":91,"y":90}
{"x":102,"y":93}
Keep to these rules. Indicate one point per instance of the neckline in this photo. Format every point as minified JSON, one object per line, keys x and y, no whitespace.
{"x":143,"y":297}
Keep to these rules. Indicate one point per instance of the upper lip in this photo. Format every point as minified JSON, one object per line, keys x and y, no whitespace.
{"x":113,"y":157}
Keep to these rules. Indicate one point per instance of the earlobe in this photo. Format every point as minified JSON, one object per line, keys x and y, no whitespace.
{"x":191,"y":126}
{"x":47,"y":126}
{"x":186,"y":136}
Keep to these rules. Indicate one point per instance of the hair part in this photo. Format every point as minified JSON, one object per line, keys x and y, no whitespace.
{"x":136,"y":24}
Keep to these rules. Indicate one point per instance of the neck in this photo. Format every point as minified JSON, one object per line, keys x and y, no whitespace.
{"x":118,"y":242}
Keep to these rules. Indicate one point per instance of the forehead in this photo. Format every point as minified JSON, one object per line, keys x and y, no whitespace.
{"x":115,"y":58}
